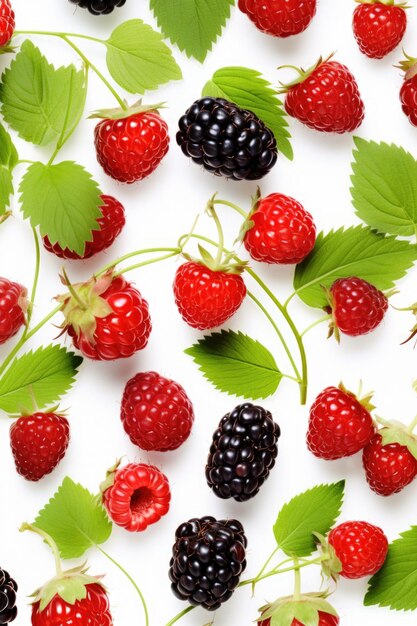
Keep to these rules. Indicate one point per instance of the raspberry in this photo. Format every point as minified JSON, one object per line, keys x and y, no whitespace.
{"x":281,"y":18}
{"x":242,"y":453}
{"x":227,"y":140}
{"x":156,"y":412}
{"x":361,"y":548}
{"x":8,"y":589}
{"x":325,"y":619}
{"x":389,"y":468}
{"x":378,"y":27}
{"x":99,"y":7}
{"x":208,"y":558}
{"x":110,"y":226}
{"x":280,"y":230}
{"x":7,"y":22}
{"x":408,"y":93}
{"x":13,"y":306}
{"x":93,"y":610}
{"x":138,"y":495}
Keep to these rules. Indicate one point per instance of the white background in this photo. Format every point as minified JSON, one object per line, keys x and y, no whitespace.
{"x":158,"y":211}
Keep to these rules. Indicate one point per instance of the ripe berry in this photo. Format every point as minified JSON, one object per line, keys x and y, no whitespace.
{"x":389,"y":467}
{"x":379,"y":27}
{"x":92,"y":610}
{"x":339,"y":425}
{"x":408,"y":93}
{"x":281,"y":18}
{"x":325,"y":619}
{"x":227,"y":140}
{"x":39,"y":442}
{"x":107,"y":318}
{"x":136,"y":496}
{"x":360,"y":547}
{"x":13,"y":306}
{"x":99,"y":7}
{"x":110,"y":226}
{"x":8,"y":589}
{"x":130,"y":148}
{"x":208,"y":558}
{"x":156,"y":412}
{"x":326,"y":97}
{"x":357,"y":306}
{"x":280,"y":230}
{"x":7,"y":22}
{"x":242,"y":453}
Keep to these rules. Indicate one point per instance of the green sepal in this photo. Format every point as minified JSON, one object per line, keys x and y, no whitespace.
{"x":8,"y":49}
{"x":365,"y":400}
{"x":119,"y":114}
{"x":110,"y":476}
{"x":305,"y":609}
{"x":396,"y":432}
{"x":331,"y":565}
{"x":248,"y":223}
{"x":388,"y":3}
{"x":302,"y":73}
{"x":408,"y":66}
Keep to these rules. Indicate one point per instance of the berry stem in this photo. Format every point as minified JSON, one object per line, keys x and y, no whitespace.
{"x":235,"y":207}
{"x":177,"y":618}
{"x":297,"y":579}
{"x":148,"y":262}
{"x":316,"y":323}
{"x":220,"y":245}
{"x":35,"y":282}
{"x":51,"y":543}
{"x":130,"y":255}
{"x":412,"y":426}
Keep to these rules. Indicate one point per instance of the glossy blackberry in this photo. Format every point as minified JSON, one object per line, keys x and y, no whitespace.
{"x":99,"y":7}
{"x":227,"y":140}
{"x":242,"y":453}
{"x":208,"y":558}
{"x":8,"y":589}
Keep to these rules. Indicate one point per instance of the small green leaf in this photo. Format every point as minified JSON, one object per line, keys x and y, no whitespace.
{"x":138,"y":59}
{"x":75,"y":519}
{"x":315,"y":510}
{"x":246,"y":88}
{"x":194,"y":25}
{"x":384,"y":191}
{"x":63,"y":200}
{"x":357,"y":251}
{"x":8,"y":160}
{"x":395,"y":584}
{"x":237,"y":364}
{"x":42,"y":377}
{"x":39,"y":101}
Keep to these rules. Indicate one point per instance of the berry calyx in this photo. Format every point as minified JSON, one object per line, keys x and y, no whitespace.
{"x":379,"y":26}
{"x":360,"y":547}
{"x":13,"y":308}
{"x":7,"y":22}
{"x":313,"y":605}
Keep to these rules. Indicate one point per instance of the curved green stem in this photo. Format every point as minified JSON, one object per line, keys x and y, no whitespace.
{"x":177,"y":618}
{"x":233,"y":206}
{"x":220,"y":246}
{"x":276,"y":571}
{"x":288,"y":300}
{"x":412,"y":426}
{"x":51,"y":543}
{"x":297,"y":579}
{"x":131,"y":255}
{"x":35,"y":282}
{"x":314,"y":324}
{"x":144,"y":263}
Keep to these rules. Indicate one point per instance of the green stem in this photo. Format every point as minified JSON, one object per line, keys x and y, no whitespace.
{"x":314,"y":324}
{"x":212,"y":212}
{"x":177,"y":618}
{"x":276,"y":571}
{"x":144,"y":263}
{"x":51,"y":543}
{"x":297,"y":579}
{"x":288,"y":300}
{"x":35,"y":282}
{"x":130,"y":255}
{"x":235,"y":207}
{"x":412,"y":426}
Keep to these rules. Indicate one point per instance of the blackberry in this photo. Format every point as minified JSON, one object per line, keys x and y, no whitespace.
{"x":99,"y":7}
{"x":227,"y":140}
{"x":242,"y":453}
{"x":8,"y":589}
{"x":208,"y":559}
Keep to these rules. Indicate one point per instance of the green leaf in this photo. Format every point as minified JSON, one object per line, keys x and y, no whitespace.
{"x":357,"y":251}
{"x":194,"y":25}
{"x":246,"y":88}
{"x":8,"y":160}
{"x":42,"y":377}
{"x":315,"y":510}
{"x":237,"y":364}
{"x":75,"y":519}
{"x":395,"y":584}
{"x":39,"y":101}
{"x":384,"y":191}
{"x":138,"y":59}
{"x":63,"y":200}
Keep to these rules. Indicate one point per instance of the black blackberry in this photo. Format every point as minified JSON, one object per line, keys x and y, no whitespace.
{"x":99,"y":7}
{"x":208,"y":559}
{"x":243,"y":452}
{"x":227,"y":140}
{"x":8,"y":589}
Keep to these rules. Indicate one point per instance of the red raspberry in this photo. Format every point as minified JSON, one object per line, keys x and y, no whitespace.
{"x":13,"y":306}
{"x":389,"y":468}
{"x":7,"y":22}
{"x":378,"y":27}
{"x":93,"y":610}
{"x":357,"y":306}
{"x":206,"y":298}
{"x":361,"y":548}
{"x":339,"y":425}
{"x":408,"y":93}
{"x":110,"y":226}
{"x":138,"y":495}
{"x":281,"y":18}
{"x":156,"y":412}
{"x":326,"y":98}
{"x":325,"y":619}
{"x":131,"y":148}
{"x":282,"y":231}
{"x":39,"y":442}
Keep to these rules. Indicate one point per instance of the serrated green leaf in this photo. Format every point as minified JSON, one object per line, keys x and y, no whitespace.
{"x":138,"y":59}
{"x":39,"y":101}
{"x":395,"y":584}
{"x":63,"y":200}
{"x":315,"y":510}
{"x":357,"y":251}
{"x":8,"y":160}
{"x":75,"y":519}
{"x":237,"y":364}
{"x":246,"y":88}
{"x":42,"y":376}
{"x":194,"y":25}
{"x":384,"y":191}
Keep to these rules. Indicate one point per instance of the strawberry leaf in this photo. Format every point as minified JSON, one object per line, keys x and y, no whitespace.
{"x":237,"y":364}
{"x":357,"y":251}
{"x":246,"y":88}
{"x":314,"y":511}
{"x":8,"y":160}
{"x":138,"y":59}
{"x":39,"y":378}
{"x":75,"y":519}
